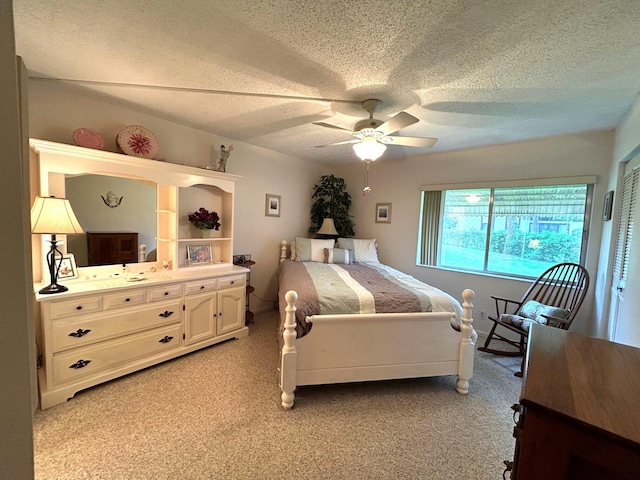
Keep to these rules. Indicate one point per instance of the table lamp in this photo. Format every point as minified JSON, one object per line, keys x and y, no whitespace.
{"x":51,"y":215}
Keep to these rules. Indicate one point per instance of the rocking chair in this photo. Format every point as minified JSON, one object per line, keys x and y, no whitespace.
{"x":554,"y":299}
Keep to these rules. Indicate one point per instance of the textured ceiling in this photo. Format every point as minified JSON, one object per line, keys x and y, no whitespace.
{"x":260,"y":71}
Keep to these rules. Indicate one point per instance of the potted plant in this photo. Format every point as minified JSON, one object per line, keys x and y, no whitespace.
{"x":205,"y":221}
{"x":332,"y":201}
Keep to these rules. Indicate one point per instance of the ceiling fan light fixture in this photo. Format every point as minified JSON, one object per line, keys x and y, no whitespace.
{"x":369,"y":149}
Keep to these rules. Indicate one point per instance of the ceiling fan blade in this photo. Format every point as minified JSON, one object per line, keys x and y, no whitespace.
{"x":395,"y":123}
{"x":409,"y":141}
{"x":328,"y":125}
{"x":355,"y":140}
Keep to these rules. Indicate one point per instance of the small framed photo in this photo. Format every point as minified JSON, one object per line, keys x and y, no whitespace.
{"x":608,"y":206}
{"x":68,"y":269}
{"x":383,"y":213}
{"x":199,"y":254}
{"x":272,"y":205}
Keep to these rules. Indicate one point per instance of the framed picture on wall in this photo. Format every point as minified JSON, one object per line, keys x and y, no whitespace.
{"x":68,"y":269}
{"x":272,"y":205}
{"x":383,"y":213}
{"x":199,"y":254}
{"x":608,"y":206}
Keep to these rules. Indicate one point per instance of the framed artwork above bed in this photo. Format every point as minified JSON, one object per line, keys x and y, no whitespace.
{"x":383,"y":213}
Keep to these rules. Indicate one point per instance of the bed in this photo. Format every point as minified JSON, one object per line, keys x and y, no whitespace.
{"x":334,"y":330}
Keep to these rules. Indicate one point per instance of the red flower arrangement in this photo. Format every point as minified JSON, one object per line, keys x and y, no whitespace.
{"x":203,"y":219}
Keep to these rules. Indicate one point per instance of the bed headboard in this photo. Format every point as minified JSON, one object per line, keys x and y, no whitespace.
{"x":285,"y":250}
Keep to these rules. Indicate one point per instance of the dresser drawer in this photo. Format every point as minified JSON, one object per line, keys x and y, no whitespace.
{"x":231,"y":281}
{"x":72,"y":333}
{"x":79,"y":306}
{"x":169,"y":291}
{"x":87,"y":361}
{"x":123,"y":299}
{"x":205,"y":285}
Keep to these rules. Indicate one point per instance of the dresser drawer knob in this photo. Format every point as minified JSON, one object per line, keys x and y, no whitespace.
{"x":79,"y":307}
{"x":80,"y":364}
{"x":232,"y":282}
{"x":127,"y":299}
{"x":79,"y":333}
{"x":165,"y":314}
{"x":166,"y":293}
{"x":166,"y":339}
{"x":201,"y":287}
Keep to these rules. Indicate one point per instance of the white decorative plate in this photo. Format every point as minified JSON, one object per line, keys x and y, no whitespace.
{"x":83,"y":137}
{"x":138,"y":141}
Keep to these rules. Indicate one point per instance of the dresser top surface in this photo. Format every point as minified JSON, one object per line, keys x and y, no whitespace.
{"x":115,"y":282}
{"x":589,"y":380}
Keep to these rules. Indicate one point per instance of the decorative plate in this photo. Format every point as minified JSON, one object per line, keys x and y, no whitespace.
{"x":138,"y":141}
{"x":83,"y":137}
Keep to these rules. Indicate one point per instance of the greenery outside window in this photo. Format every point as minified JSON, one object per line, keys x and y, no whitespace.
{"x":507,"y":230}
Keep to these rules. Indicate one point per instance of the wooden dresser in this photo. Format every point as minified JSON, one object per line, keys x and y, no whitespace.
{"x":580,"y":409}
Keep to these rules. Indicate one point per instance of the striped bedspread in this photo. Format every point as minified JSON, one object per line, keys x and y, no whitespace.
{"x":367,"y":288}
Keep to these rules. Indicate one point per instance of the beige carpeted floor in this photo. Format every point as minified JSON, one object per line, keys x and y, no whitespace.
{"x":215,"y":414}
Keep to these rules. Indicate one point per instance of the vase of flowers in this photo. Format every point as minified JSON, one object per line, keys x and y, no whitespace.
{"x":205,"y":221}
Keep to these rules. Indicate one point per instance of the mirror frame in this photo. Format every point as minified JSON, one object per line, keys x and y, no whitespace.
{"x":51,"y":161}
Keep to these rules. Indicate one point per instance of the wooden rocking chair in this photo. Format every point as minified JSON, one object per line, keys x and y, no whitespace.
{"x":554,"y":299}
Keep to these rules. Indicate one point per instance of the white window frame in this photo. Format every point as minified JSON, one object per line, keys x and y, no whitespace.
{"x":430,"y":224}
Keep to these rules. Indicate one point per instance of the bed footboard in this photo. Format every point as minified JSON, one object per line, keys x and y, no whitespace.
{"x":349,"y":348}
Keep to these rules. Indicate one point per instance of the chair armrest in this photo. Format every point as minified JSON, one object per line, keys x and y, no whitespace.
{"x":563,"y":322}
{"x":502,"y":304}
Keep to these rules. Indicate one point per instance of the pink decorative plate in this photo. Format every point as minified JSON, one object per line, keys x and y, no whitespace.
{"x":83,"y":137}
{"x":138,"y":141}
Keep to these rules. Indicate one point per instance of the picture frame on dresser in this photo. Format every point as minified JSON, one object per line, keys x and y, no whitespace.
{"x":199,"y":254}
{"x":68,"y":269}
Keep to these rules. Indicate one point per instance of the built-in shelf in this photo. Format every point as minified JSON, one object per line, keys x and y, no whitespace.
{"x":204,"y":239}
{"x":181,"y":190}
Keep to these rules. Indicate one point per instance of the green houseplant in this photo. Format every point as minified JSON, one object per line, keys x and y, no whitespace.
{"x":331,"y":201}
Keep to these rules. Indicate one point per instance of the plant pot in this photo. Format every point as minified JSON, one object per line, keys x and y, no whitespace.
{"x":205,"y":232}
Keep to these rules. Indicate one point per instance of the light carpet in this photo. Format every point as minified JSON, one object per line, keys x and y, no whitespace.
{"x":216,"y":414}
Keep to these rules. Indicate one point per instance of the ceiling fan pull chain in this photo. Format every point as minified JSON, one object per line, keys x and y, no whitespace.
{"x":367,"y":188}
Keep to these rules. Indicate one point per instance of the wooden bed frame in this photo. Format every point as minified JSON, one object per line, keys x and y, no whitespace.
{"x":356,"y":348}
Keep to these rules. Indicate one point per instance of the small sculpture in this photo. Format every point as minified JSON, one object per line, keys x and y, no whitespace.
{"x":111,"y":200}
{"x":224,"y":156}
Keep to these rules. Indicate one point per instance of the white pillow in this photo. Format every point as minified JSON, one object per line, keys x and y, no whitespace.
{"x":311,"y":249}
{"x":364,"y":250}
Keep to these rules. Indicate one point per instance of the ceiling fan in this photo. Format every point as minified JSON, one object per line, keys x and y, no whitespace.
{"x":373,"y":136}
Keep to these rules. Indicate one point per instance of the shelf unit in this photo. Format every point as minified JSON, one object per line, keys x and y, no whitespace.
{"x":181,"y":190}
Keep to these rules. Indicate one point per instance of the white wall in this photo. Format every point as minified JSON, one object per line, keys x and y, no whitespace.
{"x":16,"y":361}
{"x":56,"y":111}
{"x":626,"y":145}
{"x":398,"y":181}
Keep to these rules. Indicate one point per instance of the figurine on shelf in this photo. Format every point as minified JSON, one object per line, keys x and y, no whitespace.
{"x":224,"y":156}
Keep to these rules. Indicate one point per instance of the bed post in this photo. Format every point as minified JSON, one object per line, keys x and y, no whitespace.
{"x":467,"y":344}
{"x":289,"y":353}
{"x":283,"y":251}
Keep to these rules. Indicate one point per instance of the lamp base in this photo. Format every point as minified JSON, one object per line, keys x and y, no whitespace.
{"x":53,"y":288}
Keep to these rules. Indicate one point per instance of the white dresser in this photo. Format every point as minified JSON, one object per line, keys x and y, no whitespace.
{"x":107,"y":327}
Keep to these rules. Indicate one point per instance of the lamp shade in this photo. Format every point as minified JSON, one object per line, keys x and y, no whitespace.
{"x":328,"y":227}
{"x":51,"y":215}
{"x":369,"y":149}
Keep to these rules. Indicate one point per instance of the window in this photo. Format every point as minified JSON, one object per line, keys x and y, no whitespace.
{"x":510,"y":230}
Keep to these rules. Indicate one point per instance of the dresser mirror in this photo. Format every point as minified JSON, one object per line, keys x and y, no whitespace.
{"x":119,"y":207}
